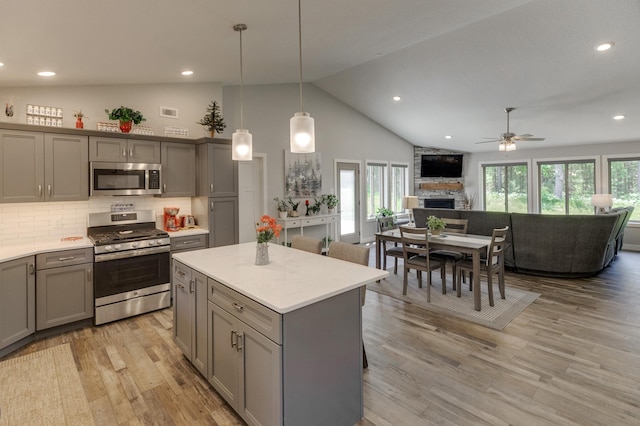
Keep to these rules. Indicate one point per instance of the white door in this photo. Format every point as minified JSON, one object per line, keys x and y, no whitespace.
{"x":348,"y":183}
{"x":252,"y":181}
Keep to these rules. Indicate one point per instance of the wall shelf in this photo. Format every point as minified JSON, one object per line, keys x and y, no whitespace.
{"x":446,"y":186}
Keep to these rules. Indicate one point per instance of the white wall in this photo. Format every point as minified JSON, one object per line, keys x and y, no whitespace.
{"x":473,"y":180}
{"x":341,"y":133}
{"x":191,"y":100}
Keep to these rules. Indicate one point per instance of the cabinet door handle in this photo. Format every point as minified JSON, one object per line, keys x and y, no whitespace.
{"x":39,"y":190}
{"x":211,"y":207}
{"x":131,"y":152}
{"x":164,"y":187}
{"x":238,"y":306}
{"x":191,"y":286}
{"x":233,"y":343}
{"x":49,"y":189}
{"x":62,"y":259}
{"x":239,"y":344}
{"x":88,"y":274}
{"x":210,"y":187}
{"x":32,"y":269}
{"x":124,"y":152}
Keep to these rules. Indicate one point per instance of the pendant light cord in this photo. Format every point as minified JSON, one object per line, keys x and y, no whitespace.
{"x":241,"y":87}
{"x":300,"y":46}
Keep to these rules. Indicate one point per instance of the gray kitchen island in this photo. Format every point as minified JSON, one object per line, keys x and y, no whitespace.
{"x":282,"y":343}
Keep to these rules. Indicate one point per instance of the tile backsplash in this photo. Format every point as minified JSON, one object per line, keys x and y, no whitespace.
{"x":24,"y":223}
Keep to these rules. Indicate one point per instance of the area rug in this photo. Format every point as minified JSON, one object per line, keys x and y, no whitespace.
{"x":41,"y":388}
{"x":496,"y":317}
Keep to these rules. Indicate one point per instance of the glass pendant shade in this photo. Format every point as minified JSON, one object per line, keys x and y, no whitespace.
{"x":302,"y":129}
{"x":242,"y":145}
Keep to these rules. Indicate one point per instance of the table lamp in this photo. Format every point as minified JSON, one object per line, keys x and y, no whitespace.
{"x":409,"y":202}
{"x":601,"y":202}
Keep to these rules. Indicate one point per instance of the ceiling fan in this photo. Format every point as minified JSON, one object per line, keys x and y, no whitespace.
{"x":508,"y":140}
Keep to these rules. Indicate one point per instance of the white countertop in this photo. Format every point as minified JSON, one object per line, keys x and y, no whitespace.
{"x":188,"y":232}
{"x":292,"y":280}
{"x":18,"y":251}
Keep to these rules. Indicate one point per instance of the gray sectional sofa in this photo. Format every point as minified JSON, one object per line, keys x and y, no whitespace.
{"x":549,"y":245}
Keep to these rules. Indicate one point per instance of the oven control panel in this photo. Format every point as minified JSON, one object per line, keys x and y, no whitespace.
{"x":132,"y":245}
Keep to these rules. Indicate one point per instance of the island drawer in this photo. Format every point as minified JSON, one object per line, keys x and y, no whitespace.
{"x":255,"y":315}
{"x":181,"y":273}
{"x":56,"y":259}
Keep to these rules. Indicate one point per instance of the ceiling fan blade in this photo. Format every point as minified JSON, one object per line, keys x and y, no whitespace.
{"x":493,"y":140}
{"x":526,"y":135}
{"x":530,"y":139}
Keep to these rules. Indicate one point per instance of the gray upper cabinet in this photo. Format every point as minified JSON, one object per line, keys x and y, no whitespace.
{"x":66,"y":167}
{"x":17,"y":300}
{"x":117,"y":150}
{"x":178,"y":170}
{"x":217,"y":172}
{"x":42,"y":167}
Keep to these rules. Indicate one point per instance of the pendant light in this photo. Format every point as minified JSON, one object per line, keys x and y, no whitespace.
{"x":241,"y":140}
{"x":302,"y":131}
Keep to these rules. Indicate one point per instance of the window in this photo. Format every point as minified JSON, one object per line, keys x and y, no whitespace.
{"x":376,"y":187}
{"x":566,"y":186}
{"x":399,"y":186}
{"x":624,"y":184}
{"x":506,"y":188}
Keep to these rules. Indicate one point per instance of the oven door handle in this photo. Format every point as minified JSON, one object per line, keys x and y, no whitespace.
{"x":130,"y":253}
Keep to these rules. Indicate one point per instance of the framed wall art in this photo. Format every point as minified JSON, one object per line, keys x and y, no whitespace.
{"x":302,"y":175}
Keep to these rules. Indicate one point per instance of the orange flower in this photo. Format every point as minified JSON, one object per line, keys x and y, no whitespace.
{"x":267,"y":229}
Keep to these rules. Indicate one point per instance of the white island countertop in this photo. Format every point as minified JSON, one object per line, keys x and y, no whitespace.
{"x":293,"y":278}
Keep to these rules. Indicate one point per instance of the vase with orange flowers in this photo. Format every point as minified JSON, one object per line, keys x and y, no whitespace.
{"x":266,"y":230}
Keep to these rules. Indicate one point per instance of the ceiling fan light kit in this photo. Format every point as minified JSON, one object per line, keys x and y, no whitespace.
{"x":302,"y":126}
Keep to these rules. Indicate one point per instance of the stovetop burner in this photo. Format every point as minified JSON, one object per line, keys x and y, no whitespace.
{"x":110,"y":237}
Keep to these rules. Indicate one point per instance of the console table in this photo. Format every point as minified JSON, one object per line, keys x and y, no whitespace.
{"x":306,"y":221}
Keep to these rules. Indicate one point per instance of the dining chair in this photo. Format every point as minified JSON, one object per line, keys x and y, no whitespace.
{"x":457,"y":226}
{"x":492,"y":264}
{"x":356,"y":254}
{"x":312,"y":245}
{"x":415,"y":249}
{"x":395,"y":251}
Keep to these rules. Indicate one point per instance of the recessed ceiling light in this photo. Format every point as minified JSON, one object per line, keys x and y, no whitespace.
{"x":618,"y":117}
{"x":187,"y":72}
{"x":1,"y":64}
{"x":46,"y":73}
{"x":448,"y":137}
{"x":397,"y":98}
{"x":604,"y":46}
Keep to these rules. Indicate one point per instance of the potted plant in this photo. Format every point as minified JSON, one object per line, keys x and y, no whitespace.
{"x":294,"y":207}
{"x":79,"y":115}
{"x":213,"y":120}
{"x":282,"y":207}
{"x":384,"y":212}
{"x":435,"y":224}
{"x":126,"y":116}
{"x":332,"y":201}
{"x":317,"y":205}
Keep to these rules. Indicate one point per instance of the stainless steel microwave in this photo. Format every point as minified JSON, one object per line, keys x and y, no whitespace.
{"x":125,"y":179}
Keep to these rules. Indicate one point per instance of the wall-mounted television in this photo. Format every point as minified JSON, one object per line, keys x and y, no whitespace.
{"x":448,"y":165}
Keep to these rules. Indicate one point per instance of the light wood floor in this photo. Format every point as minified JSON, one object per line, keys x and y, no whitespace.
{"x":572,"y":357}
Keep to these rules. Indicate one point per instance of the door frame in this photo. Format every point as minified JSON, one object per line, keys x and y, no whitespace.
{"x":262,"y":204}
{"x":358,"y":214}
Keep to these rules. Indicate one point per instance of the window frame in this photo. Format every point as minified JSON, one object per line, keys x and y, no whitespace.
{"x":565,"y":160}
{"x":606,"y":176}
{"x":386,"y":185}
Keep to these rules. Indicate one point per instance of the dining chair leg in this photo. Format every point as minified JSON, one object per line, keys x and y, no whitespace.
{"x":428,"y":287}
{"x":490,"y":287}
{"x":453,"y":274}
{"x":501,"y":283}
{"x":419,"y":275}
{"x":395,"y":266}
{"x":404,"y":284}
{"x":443,"y":278}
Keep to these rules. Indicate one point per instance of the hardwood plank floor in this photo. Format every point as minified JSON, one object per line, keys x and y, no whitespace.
{"x":571,"y":358}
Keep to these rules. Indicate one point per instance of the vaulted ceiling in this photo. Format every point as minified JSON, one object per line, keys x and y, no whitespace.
{"x":456,"y":64}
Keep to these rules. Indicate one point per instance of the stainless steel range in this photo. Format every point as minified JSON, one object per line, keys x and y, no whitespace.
{"x":132,"y":264}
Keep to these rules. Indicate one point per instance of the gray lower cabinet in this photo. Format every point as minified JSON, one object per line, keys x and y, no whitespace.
{"x":245,"y":366}
{"x":17,"y":300}
{"x":188,"y":243}
{"x":42,"y":167}
{"x":223,"y":221}
{"x":64,"y":287}
{"x":118,"y":150}
{"x":178,"y":170}
{"x":190,"y":314}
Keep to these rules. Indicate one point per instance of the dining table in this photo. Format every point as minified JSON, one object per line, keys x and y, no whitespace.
{"x":474,"y":245}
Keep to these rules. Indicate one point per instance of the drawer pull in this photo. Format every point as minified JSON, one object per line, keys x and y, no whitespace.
{"x":238,"y":306}
{"x":179,"y":272}
{"x":63,"y":259}
{"x":186,"y":243}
